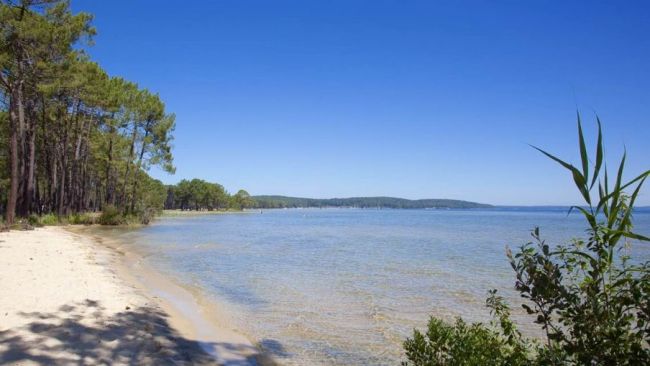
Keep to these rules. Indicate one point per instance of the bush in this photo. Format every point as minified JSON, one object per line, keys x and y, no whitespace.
{"x":147,"y":215}
{"x":149,"y":201}
{"x":53,"y":219}
{"x":593,"y":304}
{"x":80,"y":219}
{"x":34,"y":220}
{"x":111,"y":216}
{"x":468,"y":345}
{"x":49,"y":219}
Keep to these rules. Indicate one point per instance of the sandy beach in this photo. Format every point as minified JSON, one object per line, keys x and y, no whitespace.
{"x":68,"y":298}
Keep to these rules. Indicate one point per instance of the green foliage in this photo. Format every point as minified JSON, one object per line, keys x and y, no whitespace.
{"x":198,"y":194}
{"x":80,"y":219}
{"x":464,"y":344}
{"x":361,"y":202}
{"x":457,"y":344}
{"x":588,"y":296}
{"x":150,"y":200}
{"x":49,"y":220}
{"x":53,"y":219}
{"x":83,"y":139}
{"x":242,"y":200}
{"x":591,"y":300}
{"x":111,"y":216}
{"x":34,"y":220}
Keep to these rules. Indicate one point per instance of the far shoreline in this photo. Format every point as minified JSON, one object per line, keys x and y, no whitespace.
{"x":185,"y":213}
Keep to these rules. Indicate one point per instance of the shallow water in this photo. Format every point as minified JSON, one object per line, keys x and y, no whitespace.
{"x":347,"y":286}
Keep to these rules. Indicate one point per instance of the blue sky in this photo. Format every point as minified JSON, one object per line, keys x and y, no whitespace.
{"x":415,"y":99}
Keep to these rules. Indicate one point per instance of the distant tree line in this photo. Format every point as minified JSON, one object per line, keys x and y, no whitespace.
{"x":76,"y":138}
{"x":362,"y":202}
{"x":197,"y":194}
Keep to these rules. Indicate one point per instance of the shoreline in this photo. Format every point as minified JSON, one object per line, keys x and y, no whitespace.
{"x":191,"y":312}
{"x":193,"y":213}
{"x":111,"y":301}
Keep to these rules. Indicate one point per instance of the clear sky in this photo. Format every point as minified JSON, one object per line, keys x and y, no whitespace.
{"x":415,"y":99}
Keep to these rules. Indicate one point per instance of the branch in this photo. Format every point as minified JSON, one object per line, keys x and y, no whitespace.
{"x":5,"y":81}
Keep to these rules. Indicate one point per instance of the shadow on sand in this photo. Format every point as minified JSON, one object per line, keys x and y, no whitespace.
{"x":83,"y":334}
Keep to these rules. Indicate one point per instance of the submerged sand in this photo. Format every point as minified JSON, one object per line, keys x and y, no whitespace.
{"x":68,"y":299}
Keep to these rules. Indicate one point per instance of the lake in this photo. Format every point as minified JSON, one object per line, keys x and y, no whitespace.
{"x":347,"y":286}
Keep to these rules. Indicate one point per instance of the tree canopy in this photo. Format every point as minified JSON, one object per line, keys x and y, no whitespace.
{"x":77,"y":138}
{"x":197,"y":194}
{"x":362,"y":202}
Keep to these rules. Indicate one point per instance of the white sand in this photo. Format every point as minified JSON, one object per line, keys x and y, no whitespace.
{"x":63,"y":300}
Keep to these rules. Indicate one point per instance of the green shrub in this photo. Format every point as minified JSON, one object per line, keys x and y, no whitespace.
{"x":147,"y":215}
{"x":111,"y":216}
{"x":49,"y":219}
{"x":470,"y":344}
{"x":80,"y":219}
{"x":34,"y":220}
{"x":149,"y":201}
{"x":592,"y":302}
{"x":53,"y":219}
{"x":133,"y":219}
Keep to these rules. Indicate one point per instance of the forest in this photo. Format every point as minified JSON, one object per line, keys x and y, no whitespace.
{"x":197,"y":194}
{"x":362,"y":202}
{"x":77,"y":138}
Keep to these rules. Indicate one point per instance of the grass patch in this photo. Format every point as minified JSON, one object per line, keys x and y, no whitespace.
{"x":111,"y":216}
{"x":48,"y":220}
{"x":81,"y":219}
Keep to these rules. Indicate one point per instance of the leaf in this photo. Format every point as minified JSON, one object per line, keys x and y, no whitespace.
{"x":581,"y":184}
{"x":583,"y":150}
{"x":578,"y":253}
{"x":619,"y":176}
{"x":590,"y":217}
{"x":616,"y":193}
{"x":628,"y":213}
{"x":578,"y":178}
{"x":641,"y":176}
{"x":603,"y":201}
{"x":599,"y":153}
{"x":561,"y":162}
{"x":629,"y":234}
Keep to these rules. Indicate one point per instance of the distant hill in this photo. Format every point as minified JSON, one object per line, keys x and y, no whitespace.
{"x":362,"y":202}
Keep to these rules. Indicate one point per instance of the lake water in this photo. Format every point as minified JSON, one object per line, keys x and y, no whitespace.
{"x":347,"y":286}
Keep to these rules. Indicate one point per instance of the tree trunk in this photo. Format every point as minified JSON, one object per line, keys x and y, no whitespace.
{"x":13,"y":157}
{"x":31,"y":166}
{"x":128,"y":165}
{"x":20,"y":197}
{"x":62,"y":199}
{"x":110,"y":179}
{"x":139,"y":165}
{"x":47,"y":140}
